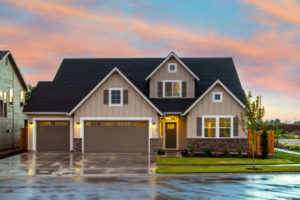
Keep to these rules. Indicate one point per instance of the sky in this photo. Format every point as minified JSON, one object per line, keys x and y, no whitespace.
{"x":262,"y":37}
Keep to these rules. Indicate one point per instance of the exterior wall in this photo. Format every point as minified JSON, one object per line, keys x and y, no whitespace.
{"x":206,"y":106}
{"x":137,"y":107}
{"x":15,"y":118}
{"x":181,"y":74}
{"x":30,"y":127}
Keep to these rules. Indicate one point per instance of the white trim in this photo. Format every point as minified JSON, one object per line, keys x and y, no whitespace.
{"x":34,"y":120}
{"x":172,"y":81}
{"x":217,"y":100}
{"x":121,"y":97}
{"x":175,"y":68}
{"x":208,"y":90}
{"x":172,"y":113}
{"x":149,"y":119}
{"x":165,"y":60}
{"x":217,"y":126}
{"x":103,"y":80}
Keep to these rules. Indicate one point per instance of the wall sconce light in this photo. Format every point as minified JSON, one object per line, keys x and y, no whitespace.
{"x":78,"y":123}
{"x":30,"y":123}
{"x":153,"y":123}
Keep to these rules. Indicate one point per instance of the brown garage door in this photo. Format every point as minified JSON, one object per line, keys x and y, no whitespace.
{"x":53,"y":136}
{"x":116,"y":136}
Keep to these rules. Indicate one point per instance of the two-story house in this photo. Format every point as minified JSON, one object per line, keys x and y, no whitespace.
{"x":138,"y":105}
{"x":12,"y":99}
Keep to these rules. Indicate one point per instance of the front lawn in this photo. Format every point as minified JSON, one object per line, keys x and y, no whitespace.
{"x":226,"y":169}
{"x":288,"y":156}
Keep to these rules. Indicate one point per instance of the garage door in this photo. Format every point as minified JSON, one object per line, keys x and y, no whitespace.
{"x":53,"y":136}
{"x":116,"y":136}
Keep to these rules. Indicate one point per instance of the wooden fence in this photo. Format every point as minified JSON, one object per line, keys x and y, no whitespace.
{"x":23,"y":138}
{"x":257,"y":146}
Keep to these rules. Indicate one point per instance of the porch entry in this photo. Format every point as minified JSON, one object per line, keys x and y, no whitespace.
{"x":171,"y":135}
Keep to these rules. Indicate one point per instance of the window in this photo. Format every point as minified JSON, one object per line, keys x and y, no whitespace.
{"x":3,"y":104}
{"x":22,"y":98}
{"x":172,"y":67}
{"x":115,"y":96}
{"x":217,"y":97}
{"x":218,"y":127}
{"x":1,"y":94}
{"x":11,"y":96}
{"x":172,"y":88}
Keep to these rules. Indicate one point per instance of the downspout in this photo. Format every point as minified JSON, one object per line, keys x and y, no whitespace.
{"x":13,"y":112}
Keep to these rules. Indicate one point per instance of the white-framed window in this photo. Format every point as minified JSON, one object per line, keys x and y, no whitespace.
{"x":11,"y":96}
{"x":115,"y":96}
{"x":217,"y":96}
{"x":172,"y":88}
{"x":22,"y":98}
{"x":217,"y":126}
{"x":172,"y":67}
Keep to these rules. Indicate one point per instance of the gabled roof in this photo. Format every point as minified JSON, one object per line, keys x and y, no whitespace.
{"x":5,"y":54}
{"x":103,"y":80}
{"x":208,"y":90}
{"x":172,"y":54}
{"x":76,"y":78}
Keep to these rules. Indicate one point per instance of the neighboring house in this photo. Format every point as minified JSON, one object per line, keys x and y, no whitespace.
{"x":138,"y":105}
{"x":12,"y":99}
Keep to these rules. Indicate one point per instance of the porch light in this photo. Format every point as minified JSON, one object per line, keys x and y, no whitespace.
{"x":153,"y":123}
{"x":30,"y":125}
{"x":78,"y":125}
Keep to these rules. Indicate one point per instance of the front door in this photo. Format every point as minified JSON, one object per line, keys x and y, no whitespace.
{"x":171,"y":135}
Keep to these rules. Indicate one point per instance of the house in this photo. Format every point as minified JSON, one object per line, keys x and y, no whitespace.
{"x":12,"y":99}
{"x":138,"y":105}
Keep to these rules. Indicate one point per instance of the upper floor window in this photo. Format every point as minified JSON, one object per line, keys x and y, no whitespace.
{"x":172,"y":67}
{"x":22,"y":98}
{"x":115,"y":96}
{"x":11,"y":96}
{"x":172,"y":88}
{"x":217,"y":97}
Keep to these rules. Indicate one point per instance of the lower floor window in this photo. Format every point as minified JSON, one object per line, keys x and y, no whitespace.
{"x":218,"y":127}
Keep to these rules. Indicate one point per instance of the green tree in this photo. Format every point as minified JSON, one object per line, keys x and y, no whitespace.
{"x":264,"y":144}
{"x":277,"y":121}
{"x":252,"y":119}
{"x":29,"y":92}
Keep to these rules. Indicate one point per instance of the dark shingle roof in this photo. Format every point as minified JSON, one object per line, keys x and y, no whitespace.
{"x":2,"y":54}
{"x":77,"y":77}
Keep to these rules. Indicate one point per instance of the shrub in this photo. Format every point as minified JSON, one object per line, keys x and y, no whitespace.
{"x":291,"y":146}
{"x":207,"y":152}
{"x":192,"y":149}
{"x":227,"y":154}
{"x":240,"y":152}
{"x":264,"y":145}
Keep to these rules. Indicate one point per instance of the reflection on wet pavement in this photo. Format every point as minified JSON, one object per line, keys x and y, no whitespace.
{"x":64,"y":163}
{"x":220,"y":186}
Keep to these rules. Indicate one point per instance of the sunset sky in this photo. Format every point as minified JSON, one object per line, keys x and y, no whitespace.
{"x":263,"y":37}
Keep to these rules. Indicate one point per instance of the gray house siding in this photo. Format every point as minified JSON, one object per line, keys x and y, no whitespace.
{"x":15,"y":117}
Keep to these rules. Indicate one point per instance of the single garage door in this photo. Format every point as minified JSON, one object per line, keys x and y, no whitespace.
{"x":116,"y":136}
{"x":53,"y":136}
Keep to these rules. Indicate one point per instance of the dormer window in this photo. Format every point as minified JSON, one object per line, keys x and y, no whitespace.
{"x":217,"y":97}
{"x":172,"y":67}
{"x":172,"y":88}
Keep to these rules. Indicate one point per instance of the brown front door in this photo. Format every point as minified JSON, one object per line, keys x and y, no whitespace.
{"x":171,"y":135}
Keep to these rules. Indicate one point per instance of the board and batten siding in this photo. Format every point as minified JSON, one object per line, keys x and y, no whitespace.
{"x":181,"y":74}
{"x":15,"y":116}
{"x":30,"y":127}
{"x":137,"y":106}
{"x":206,"y":106}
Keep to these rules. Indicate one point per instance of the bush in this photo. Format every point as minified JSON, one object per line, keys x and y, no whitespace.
{"x":227,"y":154}
{"x":192,"y":149}
{"x":291,"y":146}
{"x":240,"y":152}
{"x":264,"y":145}
{"x":207,"y":152}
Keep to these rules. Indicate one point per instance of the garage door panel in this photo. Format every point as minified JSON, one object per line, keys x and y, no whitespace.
{"x":116,"y":137}
{"x":53,"y":136}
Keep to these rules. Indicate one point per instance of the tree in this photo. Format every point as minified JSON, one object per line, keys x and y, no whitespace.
{"x":29,"y":92}
{"x":277,"y":121}
{"x":252,"y":119}
{"x":272,"y":122}
{"x":264,"y":144}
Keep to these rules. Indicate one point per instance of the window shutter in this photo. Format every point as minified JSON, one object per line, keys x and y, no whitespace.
{"x":199,"y":126}
{"x":183,"y":88}
{"x":235,"y":127}
{"x":5,"y":109}
{"x":105,"y":97}
{"x":125,"y":96}
{"x":159,"y":89}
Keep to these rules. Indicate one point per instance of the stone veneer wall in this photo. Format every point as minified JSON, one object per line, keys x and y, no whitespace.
{"x":154,"y":145}
{"x":77,"y":145}
{"x":218,"y":145}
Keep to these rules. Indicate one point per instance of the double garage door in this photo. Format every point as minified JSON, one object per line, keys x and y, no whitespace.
{"x":99,"y":136}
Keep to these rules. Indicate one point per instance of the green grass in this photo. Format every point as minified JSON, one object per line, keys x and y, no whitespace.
{"x":226,"y":169}
{"x":287,"y":156}
{"x":219,"y":161}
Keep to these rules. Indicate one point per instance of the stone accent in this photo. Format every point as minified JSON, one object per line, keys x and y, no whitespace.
{"x":77,"y":144}
{"x":218,"y":145}
{"x":154,"y":145}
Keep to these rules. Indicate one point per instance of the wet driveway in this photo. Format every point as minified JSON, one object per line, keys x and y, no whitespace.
{"x":64,"y":164}
{"x":204,"y":186}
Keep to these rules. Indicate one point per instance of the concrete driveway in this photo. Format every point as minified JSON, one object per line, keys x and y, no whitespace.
{"x":64,"y":164}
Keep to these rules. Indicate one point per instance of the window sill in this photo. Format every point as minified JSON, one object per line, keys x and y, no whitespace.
{"x":115,"y":105}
